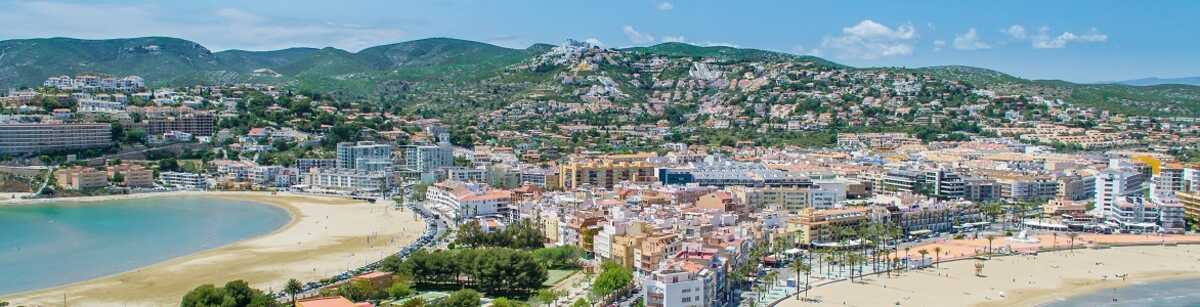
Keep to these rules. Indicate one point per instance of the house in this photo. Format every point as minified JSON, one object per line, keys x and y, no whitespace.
{"x":335,"y":301}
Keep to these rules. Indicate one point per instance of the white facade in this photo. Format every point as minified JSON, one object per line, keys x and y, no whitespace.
{"x":674,"y":288}
{"x":183,"y":180}
{"x":1114,"y":184}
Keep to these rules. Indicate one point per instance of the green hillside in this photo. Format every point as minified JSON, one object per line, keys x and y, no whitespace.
{"x":468,"y":66}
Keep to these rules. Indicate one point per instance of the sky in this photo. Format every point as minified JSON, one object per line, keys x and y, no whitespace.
{"x":1080,"y":41}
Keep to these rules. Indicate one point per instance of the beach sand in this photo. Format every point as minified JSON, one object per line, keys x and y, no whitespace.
{"x":326,"y":236}
{"x":1016,"y":280}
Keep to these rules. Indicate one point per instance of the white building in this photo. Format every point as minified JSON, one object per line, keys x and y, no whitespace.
{"x":467,"y":200}
{"x":364,"y":156}
{"x":183,"y":180}
{"x":674,"y":288}
{"x":1113,"y":184}
{"x":345,"y":180}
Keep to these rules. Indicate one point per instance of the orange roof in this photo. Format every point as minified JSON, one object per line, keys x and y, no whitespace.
{"x":336,"y":301}
{"x":372,"y":275}
{"x":490,"y":195}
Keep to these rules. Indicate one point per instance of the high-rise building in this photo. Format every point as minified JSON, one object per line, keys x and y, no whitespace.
{"x":425,"y":158}
{"x":1113,"y":184}
{"x":364,"y":156}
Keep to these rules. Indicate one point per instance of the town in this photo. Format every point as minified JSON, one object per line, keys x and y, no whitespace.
{"x":719,"y":183}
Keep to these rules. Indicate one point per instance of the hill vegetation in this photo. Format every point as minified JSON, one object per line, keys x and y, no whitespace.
{"x":398,"y":73}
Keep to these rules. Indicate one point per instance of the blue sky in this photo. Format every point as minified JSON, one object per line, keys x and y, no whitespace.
{"x":1083,"y":41}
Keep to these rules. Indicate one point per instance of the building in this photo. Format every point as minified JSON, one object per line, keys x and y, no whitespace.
{"x":364,"y":156}
{"x":1190,"y":201}
{"x":466,"y":174}
{"x":426,"y":158}
{"x":305,"y":165}
{"x":1076,"y":187}
{"x":194,"y":123}
{"x":81,"y":178}
{"x":663,"y":288}
{"x":730,"y":173}
{"x":134,"y":176}
{"x":183,"y":180}
{"x":1113,"y":185}
{"x":28,"y":138}
{"x":468,"y":200}
{"x":351,"y":181}
{"x":1167,"y":180}
{"x":790,"y":199}
{"x":335,"y":301}
{"x":605,"y":172}
{"x":819,"y":226}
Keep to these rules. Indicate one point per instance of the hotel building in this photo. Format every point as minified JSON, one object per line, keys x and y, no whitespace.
{"x":27,"y":138}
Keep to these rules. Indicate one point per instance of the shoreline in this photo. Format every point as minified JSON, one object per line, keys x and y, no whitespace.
{"x":1016,"y":280}
{"x":297,"y":249}
{"x":104,"y":198}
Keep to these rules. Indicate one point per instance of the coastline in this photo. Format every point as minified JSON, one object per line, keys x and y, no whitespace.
{"x":1017,"y":280}
{"x":305,"y":248}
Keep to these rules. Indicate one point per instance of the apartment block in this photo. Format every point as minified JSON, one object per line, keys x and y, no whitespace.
{"x":28,"y":138}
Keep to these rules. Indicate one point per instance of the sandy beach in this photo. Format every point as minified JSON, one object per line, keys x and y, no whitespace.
{"x":1024,"y":280}
{"x":324,"y":237}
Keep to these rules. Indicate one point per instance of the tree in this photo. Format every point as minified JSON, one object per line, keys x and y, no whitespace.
{"x":292,"y":288}
{"x":937,"y":254}
{"x":560,"y":257}
{"x":548,"y":296}
{"x":399,"y":289}
{"x":581,"y":303}
{"x":798,"y":267}
{"x":414,"y":302}
{"x":505,"y":302}
{"x":1072,"y":236}
{"x":611,"y":278}
{"x":236,"y":293}
{"x":463,"y":298}
{"x":990,"y":238}
{"x":924,"y":253}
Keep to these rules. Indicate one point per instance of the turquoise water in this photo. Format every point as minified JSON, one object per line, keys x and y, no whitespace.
{"x":47,"y":245}
{"x":1174,"y":293}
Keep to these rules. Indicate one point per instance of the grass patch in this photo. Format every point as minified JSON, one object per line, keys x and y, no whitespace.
{"x":553,"y":277}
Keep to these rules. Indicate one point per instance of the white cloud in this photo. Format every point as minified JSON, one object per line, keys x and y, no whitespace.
{"x":1043,"y":40}
{"x":969,"y":41}
{"x":220,"y":29}
{"x":674,"y":39}
{"x":637,"y":37}
{"x":1016,"y":32}
{"x":870,"y":40}
{"x":665,"y":6}
{"x":938,"y":45}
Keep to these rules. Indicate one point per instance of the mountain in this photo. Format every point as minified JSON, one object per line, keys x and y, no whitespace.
{"x":445,"y":69}
{"x":172,"y":61}
{"x":1161,"y":81}
{"x":725,"y":53}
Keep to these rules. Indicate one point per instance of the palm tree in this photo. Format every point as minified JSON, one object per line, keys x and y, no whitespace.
{"x":906,"y":256}
{"x":1055,"y":235}
{"x":292,"y":288}
{"x":990,"y":238}
{"x":800,"y":266}
{"x":937,"y":254}
{"x":923,"y":253}
{"x":1072,"y":236}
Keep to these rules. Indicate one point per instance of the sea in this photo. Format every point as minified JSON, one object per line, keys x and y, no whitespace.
{"x":1169,"y":293}
{"x":51,"y":244}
